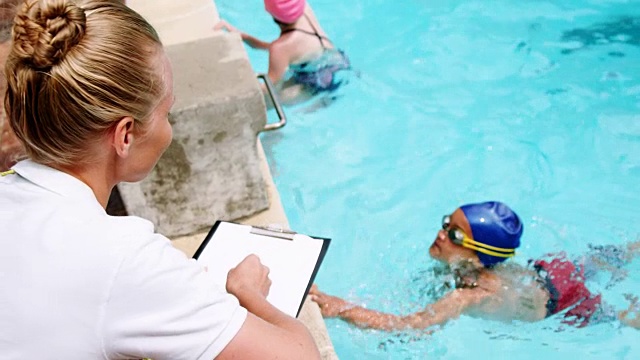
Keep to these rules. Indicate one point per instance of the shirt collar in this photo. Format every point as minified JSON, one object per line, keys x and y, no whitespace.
{"x":55,"y":181}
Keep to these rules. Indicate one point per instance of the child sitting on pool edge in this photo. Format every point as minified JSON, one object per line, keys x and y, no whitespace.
{"x":474,"y":240}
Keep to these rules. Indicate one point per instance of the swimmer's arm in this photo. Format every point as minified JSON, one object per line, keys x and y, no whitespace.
{"x":248,"y":39}
{"x":278,"y":62}
{"x":449,"y":307}
{"x":254,"y":42}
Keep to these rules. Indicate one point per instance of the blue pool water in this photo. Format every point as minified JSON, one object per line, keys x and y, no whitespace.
{"x":533,"y":103}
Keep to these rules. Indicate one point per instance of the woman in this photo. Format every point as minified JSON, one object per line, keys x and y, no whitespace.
{"x":302,"y":61}
{"x":474,"y":241}
{"x":89,"y":93}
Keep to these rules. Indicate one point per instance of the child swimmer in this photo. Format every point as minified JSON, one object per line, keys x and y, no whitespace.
{"x":473,"y":240}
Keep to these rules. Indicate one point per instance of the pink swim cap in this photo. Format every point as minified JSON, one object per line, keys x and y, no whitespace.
{"x":285,"y":11}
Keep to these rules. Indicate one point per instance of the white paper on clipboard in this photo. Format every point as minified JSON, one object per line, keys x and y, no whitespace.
{"x":293,"y":259}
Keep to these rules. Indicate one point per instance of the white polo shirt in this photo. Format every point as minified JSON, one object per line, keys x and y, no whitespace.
{"x":76,"y":283}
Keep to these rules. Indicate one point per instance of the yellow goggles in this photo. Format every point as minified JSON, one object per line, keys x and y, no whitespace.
{"x":458,"y":237}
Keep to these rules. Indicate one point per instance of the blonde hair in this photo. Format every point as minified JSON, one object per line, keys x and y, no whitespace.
{"x":76,"y":69}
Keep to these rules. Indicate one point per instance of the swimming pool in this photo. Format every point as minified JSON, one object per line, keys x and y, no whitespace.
{"x":533,"y":103}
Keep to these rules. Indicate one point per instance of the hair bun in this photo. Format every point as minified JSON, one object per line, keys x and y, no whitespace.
{"x":45,"y":30}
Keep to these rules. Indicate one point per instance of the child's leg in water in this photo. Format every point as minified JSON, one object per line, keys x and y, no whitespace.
{"x":289,"y":94}
{"x":634,"y":307}
{"x":321,"y":102}
{"x":610,"y":258}
{"x":633,"y":249}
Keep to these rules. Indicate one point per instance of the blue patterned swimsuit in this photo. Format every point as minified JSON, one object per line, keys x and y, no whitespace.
{"x":319,"y":75}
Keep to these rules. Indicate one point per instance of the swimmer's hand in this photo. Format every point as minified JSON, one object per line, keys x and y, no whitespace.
{"x":250,"y":278}
{"x":248,"y":39}
{"x":330,"y":306}
{"x":634,"y":307}
{"x":223,"y":25}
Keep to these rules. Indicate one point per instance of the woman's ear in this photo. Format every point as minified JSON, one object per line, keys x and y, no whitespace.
{"x":123,"y":136}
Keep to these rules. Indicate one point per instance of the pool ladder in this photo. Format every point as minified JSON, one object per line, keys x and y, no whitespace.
{"x":276,"y":105}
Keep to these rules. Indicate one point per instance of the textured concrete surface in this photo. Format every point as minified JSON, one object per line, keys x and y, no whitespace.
{"x":211,"y":169}
{"x":178,"y":21}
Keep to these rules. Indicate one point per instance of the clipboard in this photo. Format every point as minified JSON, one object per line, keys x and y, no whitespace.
{"x":293,"y":259}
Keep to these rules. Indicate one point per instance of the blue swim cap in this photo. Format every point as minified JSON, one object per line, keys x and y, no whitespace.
{"x":495,"y":224}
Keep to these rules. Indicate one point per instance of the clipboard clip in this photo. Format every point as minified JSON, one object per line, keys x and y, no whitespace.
{"x":273,"y":231}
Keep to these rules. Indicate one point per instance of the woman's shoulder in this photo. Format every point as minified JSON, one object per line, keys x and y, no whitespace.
{"x":130,"y":232}
{"x":114,"y":237}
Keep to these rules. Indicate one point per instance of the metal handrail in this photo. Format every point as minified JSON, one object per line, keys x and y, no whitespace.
{"x":276,"y":105}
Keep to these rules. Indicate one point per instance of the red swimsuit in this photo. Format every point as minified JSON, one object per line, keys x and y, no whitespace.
{"x":565,"y":283}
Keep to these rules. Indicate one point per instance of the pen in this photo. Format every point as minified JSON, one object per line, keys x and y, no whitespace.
{"x":274,"y":232}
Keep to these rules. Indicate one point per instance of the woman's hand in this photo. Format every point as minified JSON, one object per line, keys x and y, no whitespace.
{"x":330,"y":306}
{"x":249,"y":278}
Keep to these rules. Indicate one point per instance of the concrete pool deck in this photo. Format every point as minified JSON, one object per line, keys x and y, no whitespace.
{"x":192,"y":20}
